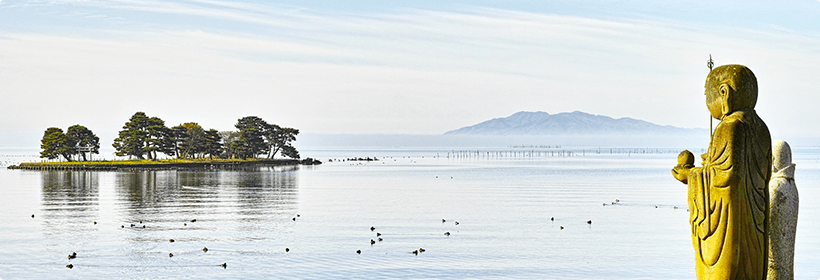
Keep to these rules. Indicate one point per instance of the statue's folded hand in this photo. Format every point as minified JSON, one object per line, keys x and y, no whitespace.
{"x":681,"y":172}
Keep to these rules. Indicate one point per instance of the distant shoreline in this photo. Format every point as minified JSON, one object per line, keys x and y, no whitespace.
{"x":161,"y":164}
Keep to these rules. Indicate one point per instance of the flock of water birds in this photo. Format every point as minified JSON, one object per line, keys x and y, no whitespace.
{"x":373,"y":242}
{"x":73,"y":255}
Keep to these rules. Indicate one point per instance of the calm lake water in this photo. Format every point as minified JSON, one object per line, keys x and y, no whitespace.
{"x":504,"y":205}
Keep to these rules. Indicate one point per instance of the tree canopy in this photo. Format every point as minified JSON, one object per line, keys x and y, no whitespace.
{"x":256,"y":137}
{"x":78,"y":140}
{"x":84,"y":140}
{"x":55,"y":144}
{"x":193,"y":141}
{"x":279,"y":140}
{"x":143,"y":135}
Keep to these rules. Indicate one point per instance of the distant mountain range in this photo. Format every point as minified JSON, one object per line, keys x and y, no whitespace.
{"x":575,"y":123}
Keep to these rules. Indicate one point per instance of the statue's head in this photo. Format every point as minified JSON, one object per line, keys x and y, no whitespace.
{"x":781,"y":155}
{"x":730,"y":88}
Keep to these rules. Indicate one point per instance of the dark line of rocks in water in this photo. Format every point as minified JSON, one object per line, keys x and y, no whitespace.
{"x":355,"y":159}
{"x":242,"y":165}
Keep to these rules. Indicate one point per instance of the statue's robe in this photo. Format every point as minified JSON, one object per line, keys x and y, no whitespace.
{"x":728,"y":198}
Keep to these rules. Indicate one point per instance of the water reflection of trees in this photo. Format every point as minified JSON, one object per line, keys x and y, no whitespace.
{"x":70,"y":190}
{"x":69,"y":197}
{"x":270,"y":190}
{"x":144,"y":189}
{"x":190,"y":194}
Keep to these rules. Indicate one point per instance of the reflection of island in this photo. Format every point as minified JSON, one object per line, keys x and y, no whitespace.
{"x":177,"y":195}
{"x":69,"y":197}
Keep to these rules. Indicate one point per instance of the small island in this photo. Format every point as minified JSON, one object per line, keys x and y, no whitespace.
{"x":186,"y":146}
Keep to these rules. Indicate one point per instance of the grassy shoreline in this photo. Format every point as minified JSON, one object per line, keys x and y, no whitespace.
{"x":161,"y":164}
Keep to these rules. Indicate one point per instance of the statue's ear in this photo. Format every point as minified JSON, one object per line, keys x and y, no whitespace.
{"x":726,"y":93}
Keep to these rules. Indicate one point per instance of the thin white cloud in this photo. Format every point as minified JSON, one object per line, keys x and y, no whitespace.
{"x":413,"y":71}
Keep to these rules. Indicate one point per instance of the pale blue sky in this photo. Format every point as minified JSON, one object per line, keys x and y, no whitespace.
{"x":414,"y":67}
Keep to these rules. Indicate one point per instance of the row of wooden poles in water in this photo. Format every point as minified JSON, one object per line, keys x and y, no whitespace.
{"x":549,"y":153}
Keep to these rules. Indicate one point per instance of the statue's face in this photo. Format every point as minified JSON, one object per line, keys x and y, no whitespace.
{"x":714,"y":100}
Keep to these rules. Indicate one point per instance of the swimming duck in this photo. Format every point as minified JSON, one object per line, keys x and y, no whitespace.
{"x":172,"y":240}
{"x":32,"y":216}
{"x":359,"y":252}
{"x":552,"y":218}
{"x":589,"y":222}
{"x":170,"y":255}
{"x":443,"y":220}
{"x":456,"y":222}
{"x":372,"y":228}
{"x":70,"y":266}
{"x":421,"y":250}
{"x":185,"y":224}
{"x":562,"y":227}
{"x":224,"y":265}
{"x":447,"y":233}
{"x":287,"y":250}
{"x":205,"y":249}
{"x":193,"y":221}
{"x":122,"y":226}
{"x":380,"y":239}
{"x":378,"y":234}
{"x":372,"y":242}
{"x":416,"y":252}
{"x":294,"y":218}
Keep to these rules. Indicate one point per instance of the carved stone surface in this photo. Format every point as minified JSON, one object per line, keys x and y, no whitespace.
{"x":783,"y":203}
{"x":728,"y":196}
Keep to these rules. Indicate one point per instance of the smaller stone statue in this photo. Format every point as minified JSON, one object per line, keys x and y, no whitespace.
{"x":783,"y":206}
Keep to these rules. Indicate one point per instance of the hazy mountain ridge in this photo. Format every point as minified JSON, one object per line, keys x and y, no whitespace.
{"x":574,"y":123}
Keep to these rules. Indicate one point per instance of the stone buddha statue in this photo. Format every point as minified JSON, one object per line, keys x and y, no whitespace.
{"x":728,"y":195}
{"x":783,"y":203}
